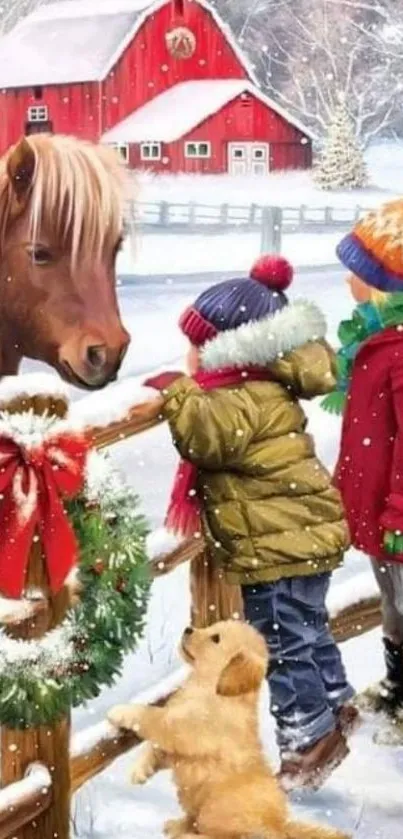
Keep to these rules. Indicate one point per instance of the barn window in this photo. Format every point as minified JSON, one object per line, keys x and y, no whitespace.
{"x":38,"y":113}
{"x":150,"y":151}
{"x":198,"y":150}
{"x":38,"y":92}
{"x":122,"y":149}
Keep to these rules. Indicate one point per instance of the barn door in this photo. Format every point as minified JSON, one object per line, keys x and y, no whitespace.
{"x":259,"y":163}
{"x":237,"y":158}
{"x":248,"y":158}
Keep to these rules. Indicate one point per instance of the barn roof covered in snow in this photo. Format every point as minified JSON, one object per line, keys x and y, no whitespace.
{"x":174,"y":113}
{"x":80,"y":41}
{"x":66,"y":42}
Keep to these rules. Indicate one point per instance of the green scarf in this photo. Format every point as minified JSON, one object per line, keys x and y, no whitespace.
{"x":367,"y":319}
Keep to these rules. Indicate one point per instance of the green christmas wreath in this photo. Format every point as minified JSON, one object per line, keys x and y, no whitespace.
{"x":40,"y":680}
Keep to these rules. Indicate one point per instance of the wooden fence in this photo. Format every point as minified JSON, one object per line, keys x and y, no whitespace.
{"x":272,"y":222}
{"x":40,"y":770}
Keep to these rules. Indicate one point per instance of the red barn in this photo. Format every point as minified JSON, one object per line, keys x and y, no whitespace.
{"x":163,"y":81}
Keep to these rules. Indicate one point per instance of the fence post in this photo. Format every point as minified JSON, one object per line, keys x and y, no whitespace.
{"x":49,"y":744}
{"x":164,"y":214}
{"x":302,"y":212}
{"x":271,"y":236}
{"x":224,"y":213}
{"x":192,"y":215}
{"x":328,"y":215}
{"x":212,"y":599}
{"x":252,"y":214}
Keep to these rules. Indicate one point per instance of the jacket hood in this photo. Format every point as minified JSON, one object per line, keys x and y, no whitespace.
{"x":260,"y":343}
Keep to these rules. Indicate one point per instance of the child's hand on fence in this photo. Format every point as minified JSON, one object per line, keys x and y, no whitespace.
{"x":162,"y":381}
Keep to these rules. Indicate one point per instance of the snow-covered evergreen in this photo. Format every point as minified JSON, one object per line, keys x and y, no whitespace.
{"x":342,"y":164}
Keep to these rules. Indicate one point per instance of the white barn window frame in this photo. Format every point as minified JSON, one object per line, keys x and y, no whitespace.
{"x":150,"y":151}
{"x":122,"y":149}
{"x":38,"y":113}
{"x":198,"y":149}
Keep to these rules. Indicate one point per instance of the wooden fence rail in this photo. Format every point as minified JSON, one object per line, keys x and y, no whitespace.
{"x":271,"y":221}
{"x":29,"y":807}
{"x":25,"y":801}
{"x":211,"y":604}
{"x":350,"y":623}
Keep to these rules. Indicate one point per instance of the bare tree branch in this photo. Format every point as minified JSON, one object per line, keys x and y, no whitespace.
{"x":309,"y":53}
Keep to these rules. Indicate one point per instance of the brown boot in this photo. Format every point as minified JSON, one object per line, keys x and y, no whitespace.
{"x":311,"y":767}
{"x":348,"y":719}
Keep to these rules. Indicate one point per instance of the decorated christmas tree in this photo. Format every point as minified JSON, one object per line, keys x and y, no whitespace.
{"x":342,"y":164}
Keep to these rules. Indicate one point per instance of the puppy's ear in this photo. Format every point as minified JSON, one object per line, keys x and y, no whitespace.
{"x":244,"y":674}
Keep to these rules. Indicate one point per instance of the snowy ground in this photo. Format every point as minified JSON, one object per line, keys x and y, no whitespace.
{"x":290,"y":189}
{"x":364,"y":796}
{"x":156,"y":253}
{"x":170,"y":253}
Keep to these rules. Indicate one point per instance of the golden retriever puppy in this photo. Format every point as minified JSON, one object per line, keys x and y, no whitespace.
{"x":207,"y":733}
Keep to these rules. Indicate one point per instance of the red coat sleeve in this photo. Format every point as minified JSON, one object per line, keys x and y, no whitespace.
{"x":392,"y":518}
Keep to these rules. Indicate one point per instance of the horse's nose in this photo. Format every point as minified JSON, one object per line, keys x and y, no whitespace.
{"x":88,"y":362}
{"x":102,"y":361}
{"x":188,"y":631}
{"x":97,"y":357}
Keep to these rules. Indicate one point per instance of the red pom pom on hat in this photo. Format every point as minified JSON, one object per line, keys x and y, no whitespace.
{"x":272,"y":271}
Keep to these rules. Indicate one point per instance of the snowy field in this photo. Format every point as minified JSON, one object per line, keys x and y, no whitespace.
{"x":157,"y":253}
{"x":364,"y":795}
{"x":281,"y":189}
{"x":172,"y":253}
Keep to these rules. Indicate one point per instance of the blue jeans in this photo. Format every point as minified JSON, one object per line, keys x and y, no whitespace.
{"x":307,"y":679}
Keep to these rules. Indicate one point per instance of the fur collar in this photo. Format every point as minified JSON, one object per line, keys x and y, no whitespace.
{"x":259,"y":343}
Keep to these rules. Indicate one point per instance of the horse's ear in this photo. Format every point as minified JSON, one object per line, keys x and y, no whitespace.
{"x":244,"y":674}
{"x":21,"y":168}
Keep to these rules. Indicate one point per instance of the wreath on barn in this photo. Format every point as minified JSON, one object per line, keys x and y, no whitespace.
{"x":41,"y":679}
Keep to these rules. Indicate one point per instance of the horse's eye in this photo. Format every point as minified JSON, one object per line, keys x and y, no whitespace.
{"x":40,"y":255}
{"x":215,"y":639}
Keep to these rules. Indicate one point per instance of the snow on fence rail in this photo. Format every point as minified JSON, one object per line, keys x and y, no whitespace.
{"x":23,"y":801}
{"x":271,"y":221}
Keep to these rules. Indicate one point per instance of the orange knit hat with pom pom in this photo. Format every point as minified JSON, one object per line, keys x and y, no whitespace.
{"x":374,"y":249}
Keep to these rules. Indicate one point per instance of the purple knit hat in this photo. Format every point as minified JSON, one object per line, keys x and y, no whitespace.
{"x":232,"y":303}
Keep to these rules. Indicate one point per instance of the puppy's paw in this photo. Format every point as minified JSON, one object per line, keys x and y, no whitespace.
{"x":175,"y":828}
{"x":145,"y":766}
{"x":140,"y":774}
{"x":121,"y":716}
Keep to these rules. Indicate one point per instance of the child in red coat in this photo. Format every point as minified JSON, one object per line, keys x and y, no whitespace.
{"x":369,"y":472}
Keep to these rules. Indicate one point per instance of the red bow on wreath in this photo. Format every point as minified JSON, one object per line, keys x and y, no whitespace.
{"x":32,"y":481}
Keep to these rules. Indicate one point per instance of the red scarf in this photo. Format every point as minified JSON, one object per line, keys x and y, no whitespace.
{"x":184,"y":511}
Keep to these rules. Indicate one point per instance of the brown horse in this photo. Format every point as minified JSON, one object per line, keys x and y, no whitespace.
{"x":61,"y":215}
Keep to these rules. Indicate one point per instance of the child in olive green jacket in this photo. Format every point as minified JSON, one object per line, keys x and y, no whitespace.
{"x":250,"y":481}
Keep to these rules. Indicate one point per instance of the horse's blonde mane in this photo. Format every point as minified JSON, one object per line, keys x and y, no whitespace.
{"x":77,"y":192}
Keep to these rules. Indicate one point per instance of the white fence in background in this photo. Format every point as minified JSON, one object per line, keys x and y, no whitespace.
{"x":271,"y":222}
